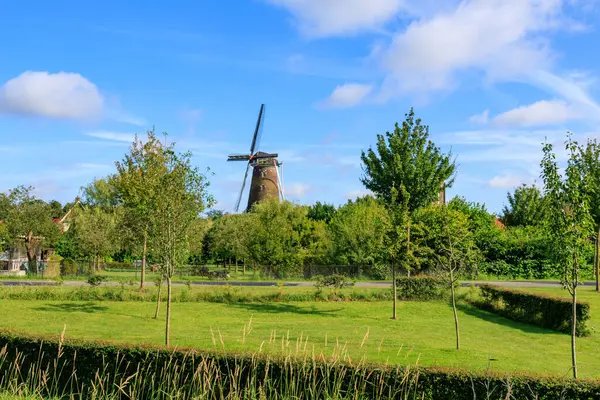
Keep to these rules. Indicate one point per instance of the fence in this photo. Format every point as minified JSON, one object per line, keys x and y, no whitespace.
{"x":132,"y":271}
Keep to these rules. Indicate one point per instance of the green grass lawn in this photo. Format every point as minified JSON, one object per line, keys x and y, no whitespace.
{"x":424,"y":332}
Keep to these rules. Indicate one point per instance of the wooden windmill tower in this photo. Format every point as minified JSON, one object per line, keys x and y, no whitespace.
{"x":266,"y":177}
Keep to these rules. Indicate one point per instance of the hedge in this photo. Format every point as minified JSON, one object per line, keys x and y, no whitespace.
{"x":420,"y":287}
{"x":545,"y":311}
{"x":64,"y":359}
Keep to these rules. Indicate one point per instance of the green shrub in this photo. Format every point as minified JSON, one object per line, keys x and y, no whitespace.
{"x":68,"y":267}
{"x":58,"y":367}
{"x":533,"y":308}
{"x":379,"y":272}
{"x":96,"y":280}
{"x":421,"y":287}
{"x":336,"y":281}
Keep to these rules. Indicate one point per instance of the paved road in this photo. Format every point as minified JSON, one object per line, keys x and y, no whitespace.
{"x":521,"y":284}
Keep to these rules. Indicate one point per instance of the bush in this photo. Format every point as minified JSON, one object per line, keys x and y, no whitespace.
{"x":379,"y":272}
{"x":333,"y":281}
{"x":96,"y":280}
{"x":536,"y":309}
{"x":153,"y":372}
{"x":421,"y":287}
{"x":68,"y":267}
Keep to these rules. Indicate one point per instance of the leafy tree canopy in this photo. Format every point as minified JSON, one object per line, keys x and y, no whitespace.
{"x":526,"y":206}
{"x":406,"y":161}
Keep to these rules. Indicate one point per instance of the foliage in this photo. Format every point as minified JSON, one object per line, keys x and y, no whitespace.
{"x":4,"y":237}
{"x":157,"y":373}
{"x":102,"y":193}
{"x":229,"y":237}
{"x":281,"y":237}
{"x":533,"y":308}
{"x":321,"y":212}
{"x":526,"y":206}
{"x":96,"y":280}
{"x":95,"y":232}
{"x":407,"y":161}
{"x":358,"y":232}
{"x":446,"y":242}
{"x":421,"y":287}
{"x":335,"y":281}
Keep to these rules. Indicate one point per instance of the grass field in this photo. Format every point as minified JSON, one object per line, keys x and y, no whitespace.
{"x":423,"y":334}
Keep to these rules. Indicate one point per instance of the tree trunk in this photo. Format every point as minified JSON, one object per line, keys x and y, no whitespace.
{"x":158,"y":299}
{"x":168,"y":324}
{"x":394,"y":314}
{"x":455,"y":314}
{"x":31,"y":258}
{"x":597,"y":261}
{"x":145,"y":249}
{"x":573,"y":333}
{"x":244,"y":268}
{"x":236,"y":265}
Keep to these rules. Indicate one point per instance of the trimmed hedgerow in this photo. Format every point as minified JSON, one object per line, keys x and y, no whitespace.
{"x":156,"y":372}
{"x":420,"y":287}
{"x":545,"y":311}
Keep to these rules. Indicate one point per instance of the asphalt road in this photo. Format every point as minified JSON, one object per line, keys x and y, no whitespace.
{"x":522,"y":284}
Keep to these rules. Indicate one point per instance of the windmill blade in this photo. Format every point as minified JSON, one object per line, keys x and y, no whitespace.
{"x":258,"y":130}
{"x":237,"y":203}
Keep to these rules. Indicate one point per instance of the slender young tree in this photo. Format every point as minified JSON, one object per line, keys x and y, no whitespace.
{"x":569,"y":221}
{"x":590,"y":161}
{"x":447,"y":241}
{"x":405,"y":171}
{"x":179,"y":198}
{"x":137,"y":183}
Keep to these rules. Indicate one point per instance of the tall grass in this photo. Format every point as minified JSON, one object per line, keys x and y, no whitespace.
{"x":225,"y":294}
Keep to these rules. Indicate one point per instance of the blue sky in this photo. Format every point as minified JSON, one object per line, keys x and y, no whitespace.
{"x":492,"y":79}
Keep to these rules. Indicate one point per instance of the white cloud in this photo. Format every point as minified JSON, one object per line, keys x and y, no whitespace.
{"x":502,"y":38}
{"x":320,"y":18}
{"x":506,"y":181}
{"x":62,"y":95}
{"x":480,"y":118}
{"x":347,"y":95}
{"x":353,"y":194}
{"x":296,"y":189}
{"x":544,"y":112}
{"x":116,"y":136}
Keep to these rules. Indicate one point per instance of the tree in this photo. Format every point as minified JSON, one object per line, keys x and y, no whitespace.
{"x":407,"y":161}
{"x":56,"y":209}
{"x":321,"y":212}
{"x":358,"y":232}
{"x":569,"y":221}
{"x":406,"y":172}
{"x":101,"y":193}
{"x":278,"y":237}
{"x":178,"y":197}
{"x":29,"y":221}
{"x":94,"y":231}
{"x":450,"y":247}
{"x":230,"y":235}
{"x":137,"y":183}
{"x":590,"y":162}
{"x":525,"y":207}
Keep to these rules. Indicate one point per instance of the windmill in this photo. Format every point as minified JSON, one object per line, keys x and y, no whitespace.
{"x":266,"y":178}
